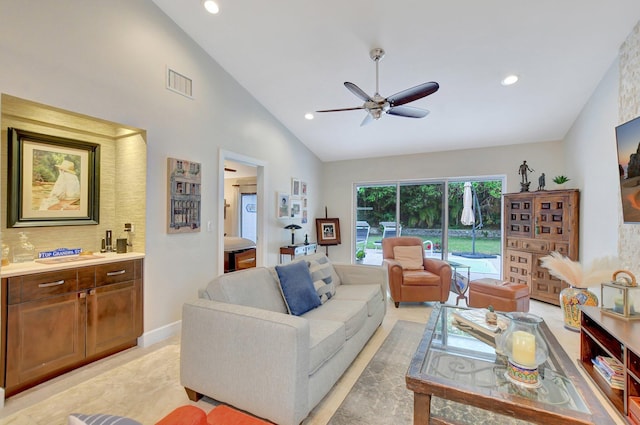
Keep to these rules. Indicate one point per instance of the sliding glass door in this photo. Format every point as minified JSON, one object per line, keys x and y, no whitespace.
{"x":457,"y":220}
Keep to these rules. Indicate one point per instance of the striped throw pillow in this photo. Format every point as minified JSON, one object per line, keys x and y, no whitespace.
{"x":321,"y":273}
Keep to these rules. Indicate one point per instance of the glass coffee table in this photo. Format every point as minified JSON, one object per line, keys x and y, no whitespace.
{"x":457,"y":377}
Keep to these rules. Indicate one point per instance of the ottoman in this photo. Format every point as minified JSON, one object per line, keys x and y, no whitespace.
{"x":503,"y":296}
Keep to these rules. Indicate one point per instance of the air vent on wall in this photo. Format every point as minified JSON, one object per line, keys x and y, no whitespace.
{"x":179,"y":83}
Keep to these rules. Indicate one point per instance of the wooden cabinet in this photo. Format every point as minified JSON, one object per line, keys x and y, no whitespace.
{"x":605,"y":335}
{"x":536,"y":223}
{"x":57,"y":321}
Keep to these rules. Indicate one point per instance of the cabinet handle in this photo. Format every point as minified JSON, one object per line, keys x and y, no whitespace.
{"x":116,"y":273}
{"x":50,"y":284}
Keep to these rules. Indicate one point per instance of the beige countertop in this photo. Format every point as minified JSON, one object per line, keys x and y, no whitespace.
{"x":67,"y":262}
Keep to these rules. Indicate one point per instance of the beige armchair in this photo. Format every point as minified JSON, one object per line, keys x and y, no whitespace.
{"x":412,"y":280}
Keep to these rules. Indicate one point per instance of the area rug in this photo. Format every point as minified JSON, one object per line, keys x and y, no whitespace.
{"x":380,"y":395}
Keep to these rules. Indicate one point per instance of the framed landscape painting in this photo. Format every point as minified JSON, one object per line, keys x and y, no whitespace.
{"x":53,"y":181}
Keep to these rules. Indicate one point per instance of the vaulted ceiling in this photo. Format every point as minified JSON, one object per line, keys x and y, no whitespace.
{"x":293,"y":56}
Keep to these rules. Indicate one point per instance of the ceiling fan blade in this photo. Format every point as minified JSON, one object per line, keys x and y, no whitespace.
{"x":358,"y":91}
{"x":408,"y":111}
{"x":342,"y":109}
{"x":366,"y":120}
{"x":414,"y":93}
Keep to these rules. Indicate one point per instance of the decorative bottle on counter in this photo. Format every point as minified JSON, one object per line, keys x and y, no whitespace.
{"x":5,"y":254}
{"x":24,"y":251}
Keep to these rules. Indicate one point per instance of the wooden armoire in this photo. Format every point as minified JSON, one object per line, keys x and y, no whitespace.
{"x":535,"y":224}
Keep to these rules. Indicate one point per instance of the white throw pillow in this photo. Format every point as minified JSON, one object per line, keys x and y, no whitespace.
{"x":409,"y":257}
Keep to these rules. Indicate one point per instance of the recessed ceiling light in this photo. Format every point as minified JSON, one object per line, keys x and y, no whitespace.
{"x":211,"y":6}
{"x":509,"y":80}
{"x":308,"y":116}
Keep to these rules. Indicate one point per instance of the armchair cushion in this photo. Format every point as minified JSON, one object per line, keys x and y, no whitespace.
{"x":297,"y":288}
{"x":421,"y":278}
{"x":410,"y":257}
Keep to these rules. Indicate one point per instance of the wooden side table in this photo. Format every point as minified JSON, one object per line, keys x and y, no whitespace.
{"x":296,"y":250}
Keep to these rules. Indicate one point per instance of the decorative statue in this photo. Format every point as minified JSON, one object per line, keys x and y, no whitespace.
{"x":523,"y":171}
{"x":524,"y":183}
{"x":541,"y":182}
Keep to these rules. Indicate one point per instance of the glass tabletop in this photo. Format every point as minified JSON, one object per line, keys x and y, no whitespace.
{"x":466,"y":356}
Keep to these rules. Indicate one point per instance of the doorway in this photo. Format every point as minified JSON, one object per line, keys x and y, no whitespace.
{"x":241,"y":203}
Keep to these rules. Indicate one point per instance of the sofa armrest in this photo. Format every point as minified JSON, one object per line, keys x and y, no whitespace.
{"x":237,"y":354}
{"x":356,"y":274}
{"x":439,"y":267}
{"x":353,"y":274}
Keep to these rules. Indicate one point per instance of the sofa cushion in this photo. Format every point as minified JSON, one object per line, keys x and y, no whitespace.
{"x":410,"y":257}
{"x":352,"y":313}
{"x":420,"y":278}
{"x":321,"y":274}
{"x":254,"y":287}
{"x":326,"y":338}
{"x":369,"y":293}
{"x":297,"y":288}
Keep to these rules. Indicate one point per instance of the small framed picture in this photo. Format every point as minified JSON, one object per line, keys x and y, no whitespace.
{"x":282,"y":205}
{"x":295,"y":187}
{"x":296,"y":208}
{"x":303,"y":189}
{"x":328,"y":231}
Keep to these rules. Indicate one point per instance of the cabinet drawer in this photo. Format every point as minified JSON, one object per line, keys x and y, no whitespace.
{"x":562,"y":248}
{"x":107,"y":274}
{"x":535,"y":245}
{"x":513,"y":243}
{"x":41,"y":285}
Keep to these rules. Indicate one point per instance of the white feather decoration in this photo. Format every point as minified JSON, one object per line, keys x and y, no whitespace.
{"x":572,"y":272}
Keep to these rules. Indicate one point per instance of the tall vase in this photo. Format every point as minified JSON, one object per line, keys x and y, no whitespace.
{"x":571,"y":298}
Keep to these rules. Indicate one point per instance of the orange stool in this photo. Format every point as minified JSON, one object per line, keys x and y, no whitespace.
{"x":219,"y":415}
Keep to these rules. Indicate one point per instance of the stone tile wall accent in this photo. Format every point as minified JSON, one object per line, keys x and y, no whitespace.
{"x":629,"y":108}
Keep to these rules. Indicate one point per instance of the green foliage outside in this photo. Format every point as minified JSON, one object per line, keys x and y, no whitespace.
{"x":456,"y":244}
{"x":421,"y":204}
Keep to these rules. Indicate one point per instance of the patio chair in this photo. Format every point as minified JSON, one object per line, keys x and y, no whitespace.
{"x":388,"y":231}
{"x":362,"y":234}
{"x":412,"y":277}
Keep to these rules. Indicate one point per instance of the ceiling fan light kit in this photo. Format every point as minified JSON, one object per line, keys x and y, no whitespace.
{"x":393,"y":105}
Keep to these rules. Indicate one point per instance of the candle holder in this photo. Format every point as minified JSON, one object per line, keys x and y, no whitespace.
{"x":525,"y":349}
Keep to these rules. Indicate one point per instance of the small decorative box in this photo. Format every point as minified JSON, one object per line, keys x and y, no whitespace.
{"x":621,"y":297}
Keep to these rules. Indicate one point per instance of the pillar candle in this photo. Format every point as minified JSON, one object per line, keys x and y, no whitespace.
{"x":524,"y":348}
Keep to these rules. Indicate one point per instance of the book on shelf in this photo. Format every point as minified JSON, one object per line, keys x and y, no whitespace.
{"x":615,"y":380}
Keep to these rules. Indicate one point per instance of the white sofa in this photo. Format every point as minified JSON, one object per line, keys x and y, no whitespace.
{"x":240,"y":345}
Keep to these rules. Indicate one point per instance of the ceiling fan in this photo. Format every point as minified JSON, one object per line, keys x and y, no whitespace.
{"x":392,"y":105}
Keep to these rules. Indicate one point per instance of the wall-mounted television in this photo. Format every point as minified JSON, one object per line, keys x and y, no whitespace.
{"x":628,"y":141}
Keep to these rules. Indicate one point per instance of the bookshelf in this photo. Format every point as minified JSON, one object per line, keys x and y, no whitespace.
{"x":605,"y":335}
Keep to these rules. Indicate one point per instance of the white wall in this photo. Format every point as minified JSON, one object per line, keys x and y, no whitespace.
{"x":108,"y":60}
{"x":340,"y":176}
{"x":592,"y":165}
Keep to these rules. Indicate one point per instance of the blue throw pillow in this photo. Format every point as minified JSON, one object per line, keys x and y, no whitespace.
{"x":297,"y":287}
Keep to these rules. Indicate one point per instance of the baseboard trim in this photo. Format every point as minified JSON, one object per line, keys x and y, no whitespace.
{"x":159,"y":334}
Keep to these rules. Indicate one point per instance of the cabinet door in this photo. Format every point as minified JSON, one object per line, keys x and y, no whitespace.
{"x":114,"y":317}
{"x":44,"y":337}
{"x":519,"y":216}
{"x":517,"y":267}
{"x":544,"y":287}
{"x":552,"y":217}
